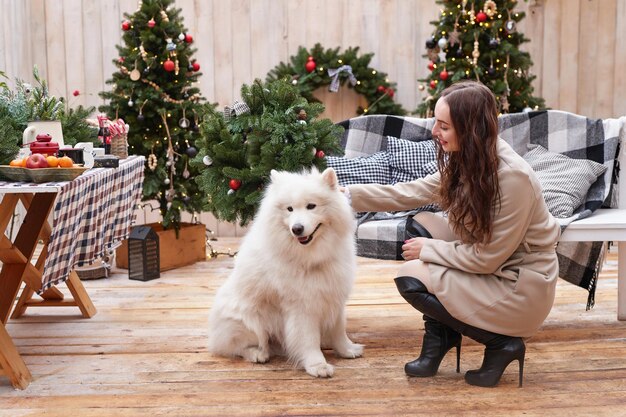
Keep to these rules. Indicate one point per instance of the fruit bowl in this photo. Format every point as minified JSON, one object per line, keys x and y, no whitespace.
{"x":40,"y":175}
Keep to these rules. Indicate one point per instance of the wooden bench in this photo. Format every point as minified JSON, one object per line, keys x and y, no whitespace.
{"x":608,"y":225}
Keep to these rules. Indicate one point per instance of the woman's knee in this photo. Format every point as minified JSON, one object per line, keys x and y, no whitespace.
{"x":417,"y":269}
{"x":436,"y":224}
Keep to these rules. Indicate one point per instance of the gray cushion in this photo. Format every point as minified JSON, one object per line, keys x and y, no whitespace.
{"x":564,"y":180}
{"x":361,"y":170}
{"x":410,"y":160}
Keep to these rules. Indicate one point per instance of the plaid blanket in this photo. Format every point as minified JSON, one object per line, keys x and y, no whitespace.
{"x":92,"y":214}
{"x":381,"y":235}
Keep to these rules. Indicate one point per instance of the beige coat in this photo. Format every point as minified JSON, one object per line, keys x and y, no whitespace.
{"x":506,"y":286}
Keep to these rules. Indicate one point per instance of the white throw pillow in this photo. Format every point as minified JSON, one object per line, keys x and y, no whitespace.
{"x":564,"y":180}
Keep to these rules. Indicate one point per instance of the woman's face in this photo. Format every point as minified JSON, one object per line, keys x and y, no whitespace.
{"x":443,"y":131}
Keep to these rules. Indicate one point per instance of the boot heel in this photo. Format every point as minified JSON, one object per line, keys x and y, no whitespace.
{"x":458,"y":357}
{"x":521,"y":370}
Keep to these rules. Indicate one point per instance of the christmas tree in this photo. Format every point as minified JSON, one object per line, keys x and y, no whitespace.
{"x":153,"y":92}
{"x":479,"y":40}
{"x":273,"y":127}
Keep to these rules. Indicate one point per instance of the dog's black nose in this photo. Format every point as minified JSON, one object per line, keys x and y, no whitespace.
{"x":297,"y":229}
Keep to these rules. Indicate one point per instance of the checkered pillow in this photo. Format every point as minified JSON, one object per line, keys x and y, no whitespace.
{"x":361,"y":170}
{"x":564,"y":180}
{"x":410,"y":160}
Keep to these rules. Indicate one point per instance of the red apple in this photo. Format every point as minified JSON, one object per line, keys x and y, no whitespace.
{"x":36,"y":160}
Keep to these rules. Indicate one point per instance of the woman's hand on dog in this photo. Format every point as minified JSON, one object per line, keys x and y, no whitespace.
{"x":412,"y":248}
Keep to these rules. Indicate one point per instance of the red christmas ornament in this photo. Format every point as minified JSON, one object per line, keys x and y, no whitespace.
{"x":381,"y":89}
{"x":121,"y":60}
{"x":76,"y":93}
{"x":431,"y":65}
{"x":433,"y":84}
{"x":151,"y":23}
{"x":310,"y":65}
{"x":234,"y":184}
{"x":195,"y":66}
{"x":169,"y":65}
{"x":481,"y":17}
{"x":125,"y":25}
{"x":390,"y":92}
{"x":443,"y":75}
{"x":320,"y":154}
{"x":188,"y":38}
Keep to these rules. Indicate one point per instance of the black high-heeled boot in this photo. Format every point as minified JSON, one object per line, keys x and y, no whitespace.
{"x":500,"y":349}
{"x":438,"y":340}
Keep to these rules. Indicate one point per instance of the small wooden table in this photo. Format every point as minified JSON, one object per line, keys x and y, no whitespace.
{"x":90,"y":214}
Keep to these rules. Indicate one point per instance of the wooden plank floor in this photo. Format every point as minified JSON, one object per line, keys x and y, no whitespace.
{"x":144,"y":353}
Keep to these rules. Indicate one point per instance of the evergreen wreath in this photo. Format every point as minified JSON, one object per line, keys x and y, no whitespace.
{"x":309,"y":70}
{"x":273,"y":127}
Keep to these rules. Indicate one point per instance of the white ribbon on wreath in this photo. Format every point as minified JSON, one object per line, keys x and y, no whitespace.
{"x":333,"y":73}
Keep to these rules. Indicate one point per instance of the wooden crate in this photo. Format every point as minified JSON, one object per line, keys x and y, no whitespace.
{"x":190,"y":247}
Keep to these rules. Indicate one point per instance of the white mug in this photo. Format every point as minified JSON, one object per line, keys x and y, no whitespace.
{"x":88,"y":153}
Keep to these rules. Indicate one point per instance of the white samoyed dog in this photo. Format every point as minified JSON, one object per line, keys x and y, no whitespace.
{"x":293,"y":274}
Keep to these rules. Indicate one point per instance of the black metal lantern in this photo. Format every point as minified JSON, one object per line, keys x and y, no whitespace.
{"x":143,"y":254}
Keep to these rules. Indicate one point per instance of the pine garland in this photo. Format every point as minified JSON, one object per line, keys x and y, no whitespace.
{"x":275,"y":129}
{"x":372,"y":84}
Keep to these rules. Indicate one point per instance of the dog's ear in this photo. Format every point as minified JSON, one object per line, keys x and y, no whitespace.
{"x":329,"y":176}
{"x":273,"y":175}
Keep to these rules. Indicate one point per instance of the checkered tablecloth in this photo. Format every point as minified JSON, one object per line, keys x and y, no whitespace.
{"x":92,"y":214}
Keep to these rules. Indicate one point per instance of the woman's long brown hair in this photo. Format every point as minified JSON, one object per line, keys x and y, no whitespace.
{"x":470,"y":191}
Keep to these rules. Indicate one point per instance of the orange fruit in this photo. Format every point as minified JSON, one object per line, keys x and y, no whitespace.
{"x":66,"y":162}
{"x":53,"y":161}
{"x":23,"y":164}
{"x":16,"y":163}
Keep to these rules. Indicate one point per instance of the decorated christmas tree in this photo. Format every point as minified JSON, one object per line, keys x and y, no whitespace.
{"x":273,"y":127}
{"x":311,"y":69}
{"x":153,"y":92}
{"x":478,"y":39}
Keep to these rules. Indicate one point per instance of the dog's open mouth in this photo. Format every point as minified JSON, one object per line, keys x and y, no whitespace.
{"x":304,"y":240}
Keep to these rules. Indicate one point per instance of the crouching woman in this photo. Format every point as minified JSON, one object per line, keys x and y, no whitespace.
{"x":486,"y":268}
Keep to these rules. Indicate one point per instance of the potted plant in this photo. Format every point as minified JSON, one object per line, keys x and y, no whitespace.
{"x":31,"y":109}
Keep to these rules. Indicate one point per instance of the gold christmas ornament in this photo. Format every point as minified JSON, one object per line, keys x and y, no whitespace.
{"x":490,"y":8}
{"x":152,"y":162}
{"x":475,"y":52}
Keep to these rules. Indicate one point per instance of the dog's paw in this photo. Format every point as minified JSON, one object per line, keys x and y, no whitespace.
{"x":256,"y":355}
{"x":351,"y":351}
{"x":320,"y":370}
